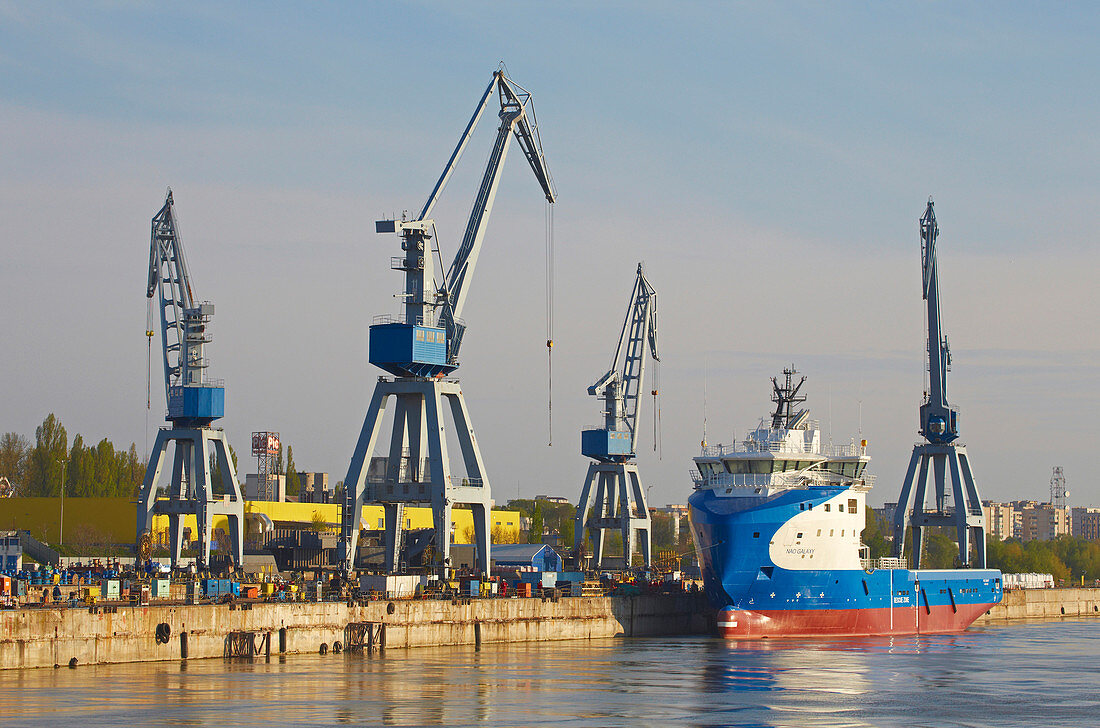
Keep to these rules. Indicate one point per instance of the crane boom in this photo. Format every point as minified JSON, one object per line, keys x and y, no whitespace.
{"x":183,"y":324}
{"x":434,"y":308}
{"x":515,"y":120}
{"x":449,"y":169}
{"x":938,"y":419}
{"x":622,"y":384}
{"x":168,"y":276}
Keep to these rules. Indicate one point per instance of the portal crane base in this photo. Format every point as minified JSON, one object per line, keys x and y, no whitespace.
{"x":417,"y":470}
{"x":966,"y":515}
{"x":617,"y":503}
{"x":191,"y":491}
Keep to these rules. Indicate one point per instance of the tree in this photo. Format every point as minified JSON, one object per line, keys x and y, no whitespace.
{"x":535,"y":534}
{"x":14,"y":450}
{"x":135,"y":471}
{"x":216,"y":470}
{"x":51,"y":445}
{"x":78,"y":472}
{"x":873,"y":535}
{"x":293,"y":484}
{"x":567,"y":535}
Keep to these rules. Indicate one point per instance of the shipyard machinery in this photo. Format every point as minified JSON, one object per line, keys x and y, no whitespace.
{"x":420,"y":348}
{"x":194,"y":403}
{"x":939,"y":426}
{"x":612,"y":489}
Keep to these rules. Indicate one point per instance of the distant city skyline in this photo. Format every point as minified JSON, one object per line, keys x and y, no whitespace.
{"x":767,"y":163}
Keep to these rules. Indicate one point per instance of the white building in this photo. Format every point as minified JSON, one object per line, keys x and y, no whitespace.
{"x":11,"y":551}
{"x":252,"y":487}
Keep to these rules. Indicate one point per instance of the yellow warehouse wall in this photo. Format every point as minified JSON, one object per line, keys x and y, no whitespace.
{"x":114,"y":519}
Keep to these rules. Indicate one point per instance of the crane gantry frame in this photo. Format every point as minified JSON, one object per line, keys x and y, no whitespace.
{"x":194,"y":403}
{"x":420,"y":347}
{"x":619,"y":500}
{"x":939,"y":426}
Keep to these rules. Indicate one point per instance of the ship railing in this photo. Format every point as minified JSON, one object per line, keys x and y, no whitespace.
{"x":784,"y":447}
{"x":798,"y":479}
{"x":885,"y":562}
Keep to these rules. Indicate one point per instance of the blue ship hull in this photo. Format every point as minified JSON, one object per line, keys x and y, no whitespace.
{"x":739,"y":541}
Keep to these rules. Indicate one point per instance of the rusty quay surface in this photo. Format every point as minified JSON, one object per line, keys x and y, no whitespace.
{"x":49,"y":637}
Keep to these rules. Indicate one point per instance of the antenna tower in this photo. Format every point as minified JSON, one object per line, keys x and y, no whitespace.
{"x":1058,"y":490}
{"x":265,"y":448}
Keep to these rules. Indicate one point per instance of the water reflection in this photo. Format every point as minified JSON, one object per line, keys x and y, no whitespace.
{"x":957,"y":679}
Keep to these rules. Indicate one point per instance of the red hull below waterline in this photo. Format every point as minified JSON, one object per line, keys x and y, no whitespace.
{"x":744,"y":624}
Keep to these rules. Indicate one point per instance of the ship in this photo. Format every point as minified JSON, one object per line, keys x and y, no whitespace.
{"x":777,"y":521}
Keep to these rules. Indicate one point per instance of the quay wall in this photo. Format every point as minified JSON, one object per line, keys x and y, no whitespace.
{"x":49,"y":637}
{"x":1045,"y":604}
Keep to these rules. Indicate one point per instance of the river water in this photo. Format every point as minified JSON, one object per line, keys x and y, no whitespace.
{"x":1026,"y":674}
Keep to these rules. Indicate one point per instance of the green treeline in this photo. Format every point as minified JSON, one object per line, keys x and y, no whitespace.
{"x":1066,"y":557}
{"x":549,"y":517}
{"x":88,"y":470}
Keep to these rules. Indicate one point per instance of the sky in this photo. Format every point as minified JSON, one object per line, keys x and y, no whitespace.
{"x":768,"y":162}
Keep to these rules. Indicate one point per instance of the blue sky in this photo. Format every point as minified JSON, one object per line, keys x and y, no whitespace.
{"x":768,"y":162}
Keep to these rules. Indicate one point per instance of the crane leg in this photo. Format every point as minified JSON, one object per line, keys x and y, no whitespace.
{"x":482,"y":535}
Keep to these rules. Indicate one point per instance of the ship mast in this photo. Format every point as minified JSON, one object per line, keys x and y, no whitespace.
{"x":785,"y":397}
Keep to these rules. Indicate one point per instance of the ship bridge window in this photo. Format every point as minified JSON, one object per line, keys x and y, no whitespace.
{"x":859,"y":469}
{"x":738,"y":467}
{"x":851,"y":505}
{"x":760,"y":467}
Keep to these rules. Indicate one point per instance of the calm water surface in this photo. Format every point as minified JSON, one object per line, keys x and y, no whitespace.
{"x":1032,"y":674}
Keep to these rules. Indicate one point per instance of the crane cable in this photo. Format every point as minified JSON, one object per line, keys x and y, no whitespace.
{"x":148,"y":370}
{"x":658,"y":445}
{"x":550,"y":322}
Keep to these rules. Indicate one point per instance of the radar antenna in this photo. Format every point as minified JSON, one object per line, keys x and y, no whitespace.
{"x":785,"y":397}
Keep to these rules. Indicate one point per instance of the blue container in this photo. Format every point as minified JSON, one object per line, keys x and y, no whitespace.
{"x":199,"y":403}
{"x":473,"y":588}
{"x":404,"y":349}
{"x":605,"y":443}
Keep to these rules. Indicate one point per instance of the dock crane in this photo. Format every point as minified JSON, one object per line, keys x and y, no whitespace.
{"x":420,"y":348}
{"x":194,"y":403}
{"x":939,"y":427}
{"x":619,"y":500}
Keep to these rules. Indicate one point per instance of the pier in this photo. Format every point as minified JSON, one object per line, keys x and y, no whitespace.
{"x":58,"y":637}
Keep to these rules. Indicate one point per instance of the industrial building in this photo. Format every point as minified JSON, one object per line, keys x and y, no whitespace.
{"x":11,"y":551}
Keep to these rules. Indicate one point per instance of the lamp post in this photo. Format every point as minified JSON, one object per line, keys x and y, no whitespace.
{"x":61,"y":523}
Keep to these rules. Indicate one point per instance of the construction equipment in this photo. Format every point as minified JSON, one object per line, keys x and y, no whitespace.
{"x":939,"y":426}
{"x":420,"y":347}
{"x":194,"y":403}
{"x":619,"y":500}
